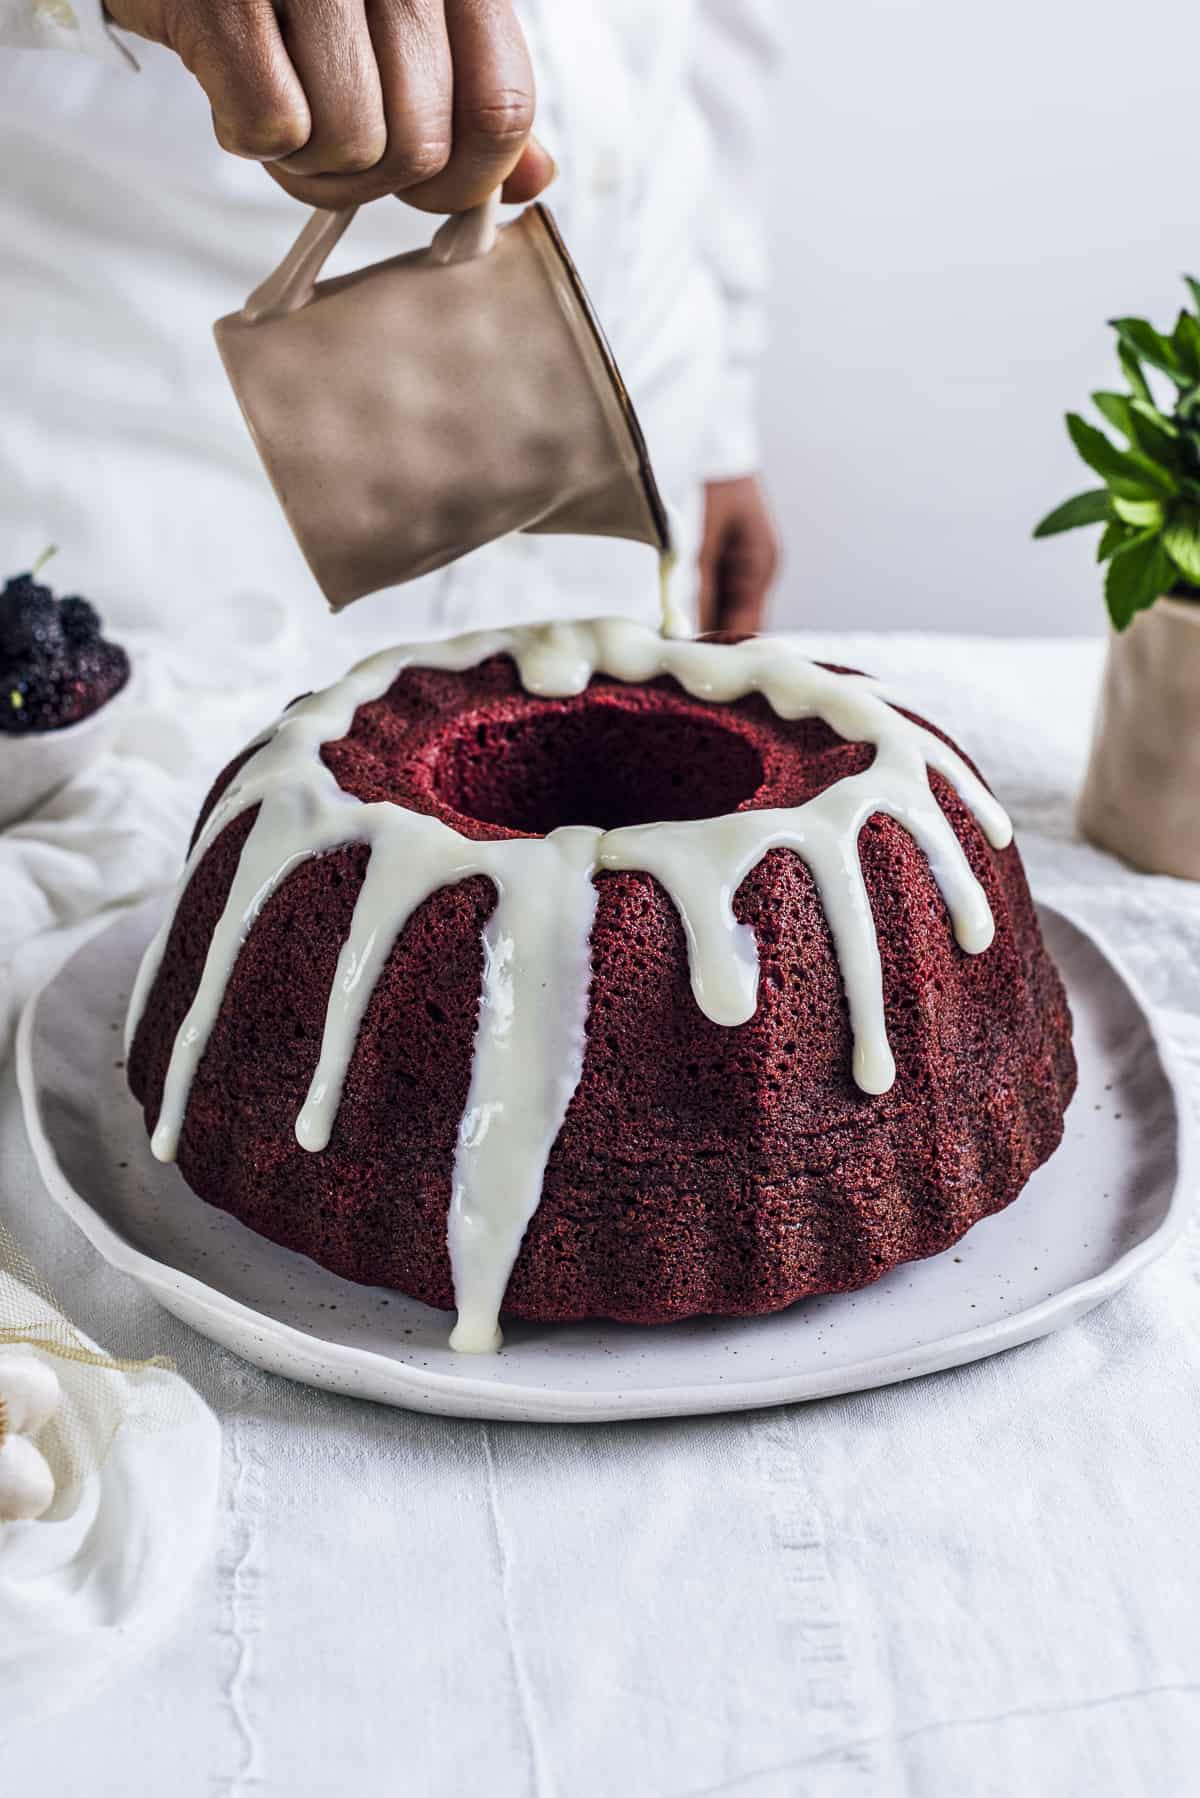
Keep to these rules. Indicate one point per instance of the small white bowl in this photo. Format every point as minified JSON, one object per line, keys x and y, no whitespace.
{"x":34,"y":766}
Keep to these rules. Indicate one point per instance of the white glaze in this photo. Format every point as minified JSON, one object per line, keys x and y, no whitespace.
{"x":528,"y":1053}
{"x":673,"y":618}
{"x":528,"y":1059}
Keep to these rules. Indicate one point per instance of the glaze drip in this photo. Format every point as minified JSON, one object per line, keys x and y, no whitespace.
{"x":533,"y":1006}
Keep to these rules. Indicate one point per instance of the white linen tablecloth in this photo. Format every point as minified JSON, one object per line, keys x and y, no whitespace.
{"x":983,"y":1582}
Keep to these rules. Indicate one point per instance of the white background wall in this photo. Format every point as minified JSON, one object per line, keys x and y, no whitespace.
{"x":963,"y":194}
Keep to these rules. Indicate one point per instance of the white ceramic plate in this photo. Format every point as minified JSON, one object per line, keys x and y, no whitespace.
{"x":1109,"y":1201}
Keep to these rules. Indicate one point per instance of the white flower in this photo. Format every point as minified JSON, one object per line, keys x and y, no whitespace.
{"x":29,"y":1397}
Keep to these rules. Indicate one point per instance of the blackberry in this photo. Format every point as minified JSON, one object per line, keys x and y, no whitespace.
{"x":80,"y":620}
{"x":30,"y":701}
{"x":52,"y":695}
{"x":55,"y":666}
{"x":30,"y":625}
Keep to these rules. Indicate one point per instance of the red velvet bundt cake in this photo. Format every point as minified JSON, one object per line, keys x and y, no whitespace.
{"x":576,"y":972}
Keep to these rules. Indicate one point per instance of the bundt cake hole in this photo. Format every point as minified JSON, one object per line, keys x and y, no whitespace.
{"x":601,"y":765}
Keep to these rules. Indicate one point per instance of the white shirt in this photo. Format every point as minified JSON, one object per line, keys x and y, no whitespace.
{"x":128,"y":232}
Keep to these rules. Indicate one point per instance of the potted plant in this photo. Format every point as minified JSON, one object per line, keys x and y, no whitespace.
{"x":1141,"y":797}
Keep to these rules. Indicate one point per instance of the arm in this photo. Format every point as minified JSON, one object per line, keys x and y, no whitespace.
{"x":738,"y":45}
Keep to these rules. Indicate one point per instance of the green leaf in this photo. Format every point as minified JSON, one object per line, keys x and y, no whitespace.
{"x":1185,"y":341}
{"x":1144,"y":426}
{"x":1155,"y":436}
{"x":1134,"y":375}
{"x":1127,"y":472}
{"x":1181,"y":345}
{"x":1137,"y":574}
{"x":1145,"y":514}
{"x":1085,"y":508}
{"x":1111,"y":539}
{"x":1149,"y":414}
{"x":1150,"y":346}
{"x":1194,"y":290}
{"x":1117,"y":409}
{"x":1181,"y":540}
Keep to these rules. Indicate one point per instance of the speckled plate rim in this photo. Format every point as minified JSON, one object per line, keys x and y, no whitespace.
{"x":311,"y":1359}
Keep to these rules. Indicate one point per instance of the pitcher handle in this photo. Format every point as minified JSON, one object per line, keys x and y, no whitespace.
{"x":464,"y":236}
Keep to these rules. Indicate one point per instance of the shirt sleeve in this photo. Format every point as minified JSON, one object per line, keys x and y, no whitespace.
{"x":78,"y":25}
{"x":739,"y":42}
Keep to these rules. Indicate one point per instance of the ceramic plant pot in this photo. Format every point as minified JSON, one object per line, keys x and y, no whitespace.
{"x":416,"y":409}
{"x":1141,"y":798}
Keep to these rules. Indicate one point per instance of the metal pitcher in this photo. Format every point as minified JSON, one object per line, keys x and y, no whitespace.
{"x":428,"y":404}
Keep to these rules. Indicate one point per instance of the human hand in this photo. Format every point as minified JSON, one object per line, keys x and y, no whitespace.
{"x":345,"y":101}
{"x":739,"y":556}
